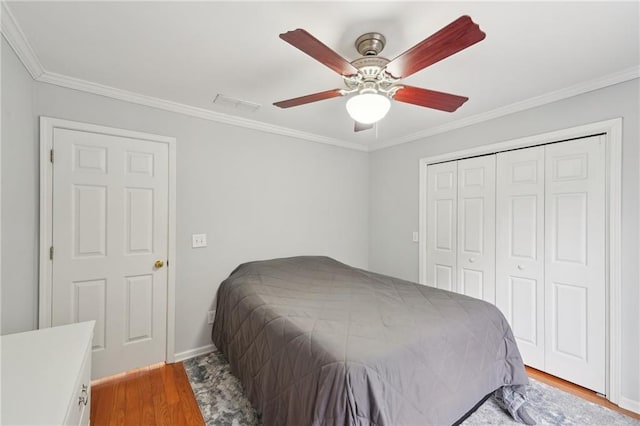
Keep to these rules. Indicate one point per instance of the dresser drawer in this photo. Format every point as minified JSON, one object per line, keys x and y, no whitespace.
{"x":80,"y":404}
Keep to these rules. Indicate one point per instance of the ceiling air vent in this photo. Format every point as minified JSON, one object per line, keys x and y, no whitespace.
{"x":233,"y":103}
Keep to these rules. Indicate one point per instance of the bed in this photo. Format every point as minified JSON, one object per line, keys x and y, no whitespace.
{"x":317,"y":342}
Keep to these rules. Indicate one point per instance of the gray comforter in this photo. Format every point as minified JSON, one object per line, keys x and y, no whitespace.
{"x":317,"y":342}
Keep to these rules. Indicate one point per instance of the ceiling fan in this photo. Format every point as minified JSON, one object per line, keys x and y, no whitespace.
{"x":374,"y":80}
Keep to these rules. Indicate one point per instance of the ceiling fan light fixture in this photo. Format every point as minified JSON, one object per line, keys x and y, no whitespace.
{"x":368,"y":107}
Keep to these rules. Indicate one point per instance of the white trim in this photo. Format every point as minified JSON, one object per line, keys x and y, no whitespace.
{"x":608,"y":126}
{"x":629,"y":404}
{"x":613,"y":190}
{"x":422,"y":228}
{"x":136,"y":98}
{"x":192,"y":353}
{"x":46,"y":223}
{"x":99,"y":89}
{"x":172,"y":256}
{"x":47,"y":126}
{"x":613,"y":130}
{"x":547,"y":98}
{"x":19,"y":43}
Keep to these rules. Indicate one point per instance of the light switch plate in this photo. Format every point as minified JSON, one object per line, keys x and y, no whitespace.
{"x":211,"y":315}
{"x":415,"y":236}
{"x":198,"y":240}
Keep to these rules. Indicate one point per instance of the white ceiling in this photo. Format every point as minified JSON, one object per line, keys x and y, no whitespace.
{"x":187,"y":52}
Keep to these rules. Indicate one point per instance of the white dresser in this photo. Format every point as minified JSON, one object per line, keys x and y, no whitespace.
{"x":46,"y":376}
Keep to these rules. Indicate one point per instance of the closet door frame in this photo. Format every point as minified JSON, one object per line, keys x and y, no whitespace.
{"x":612,"y":130}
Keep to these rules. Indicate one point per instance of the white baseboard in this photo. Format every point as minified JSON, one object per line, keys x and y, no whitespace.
{"x":191,"y":353}
{"x":629,"y":404}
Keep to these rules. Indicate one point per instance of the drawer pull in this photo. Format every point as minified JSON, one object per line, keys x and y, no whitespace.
{"x":83,"y":399}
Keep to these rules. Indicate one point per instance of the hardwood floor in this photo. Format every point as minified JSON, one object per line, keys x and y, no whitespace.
{"x":576,"y":390}
{"x":155,"y":395}
{"x":161,"y":395}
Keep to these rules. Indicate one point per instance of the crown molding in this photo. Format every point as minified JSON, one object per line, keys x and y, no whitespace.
{"x":136,"y":98}
{"x":124,"y":95}
{"x":567,"y":92}
{"x":19,"y":43}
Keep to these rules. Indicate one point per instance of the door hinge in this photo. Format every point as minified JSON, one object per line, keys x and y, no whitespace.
{"x":167,"y":263}
{"x":51,"y":253}
{"x":51,"y":155}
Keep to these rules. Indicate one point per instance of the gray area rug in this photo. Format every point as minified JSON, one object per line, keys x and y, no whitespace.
{"x":222,"y":401}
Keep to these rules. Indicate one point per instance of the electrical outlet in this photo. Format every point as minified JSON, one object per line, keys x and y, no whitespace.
{"x":198,"y":240}
{"x":211,"y":315}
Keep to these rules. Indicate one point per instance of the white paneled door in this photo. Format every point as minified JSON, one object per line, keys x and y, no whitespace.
{"x":442,"y":201}
{"x":476,"y":227}
{"x":110,"y":236}
{"x":520,"y":248}
{"x":526,"y":229}
{"x":575,"y":290}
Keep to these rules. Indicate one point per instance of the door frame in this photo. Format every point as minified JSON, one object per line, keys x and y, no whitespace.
{"x":47,"y":126}
{"x":612,"y":130}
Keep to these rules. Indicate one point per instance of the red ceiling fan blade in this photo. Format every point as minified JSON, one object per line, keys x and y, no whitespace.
{"x":327,"y":94}
{"x":429,"y":98}
{"x":358,"y":127}
{"x":320,"y":52}
{"x":456,"y":36}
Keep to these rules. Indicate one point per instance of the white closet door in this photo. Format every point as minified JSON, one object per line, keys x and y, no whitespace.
{"x":520,"y":248}
{"x":575,"y":271}
{"x":441,"y":225}
{"x":476,"y":227}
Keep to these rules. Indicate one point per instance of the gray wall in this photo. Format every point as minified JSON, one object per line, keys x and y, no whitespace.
{"x":394,"y":177}
{"x":19,"y":197}
{"x":255,"y":195}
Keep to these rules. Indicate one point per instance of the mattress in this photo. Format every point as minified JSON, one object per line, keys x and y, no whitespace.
{"x":317,"y":342}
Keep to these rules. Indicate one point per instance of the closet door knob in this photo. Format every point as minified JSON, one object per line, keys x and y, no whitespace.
{"x":471,"y":260}
{"x":520,"y":267}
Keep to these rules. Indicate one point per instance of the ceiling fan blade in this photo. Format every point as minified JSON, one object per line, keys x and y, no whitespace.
{"x":327,"y":94}
{"x":320,"y":52}
{"x":456,"y":36}
{"x":358,"y":127}
{"x":429,"y":98}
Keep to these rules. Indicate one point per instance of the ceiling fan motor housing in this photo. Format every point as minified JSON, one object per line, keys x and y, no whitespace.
{"x":371,"y":76}
{"x":370,"y":44}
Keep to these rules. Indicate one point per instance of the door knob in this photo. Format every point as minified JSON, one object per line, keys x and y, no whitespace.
{"x":471,"y":260}
{"x":159,"y":264}
{"x":520,"y":267}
